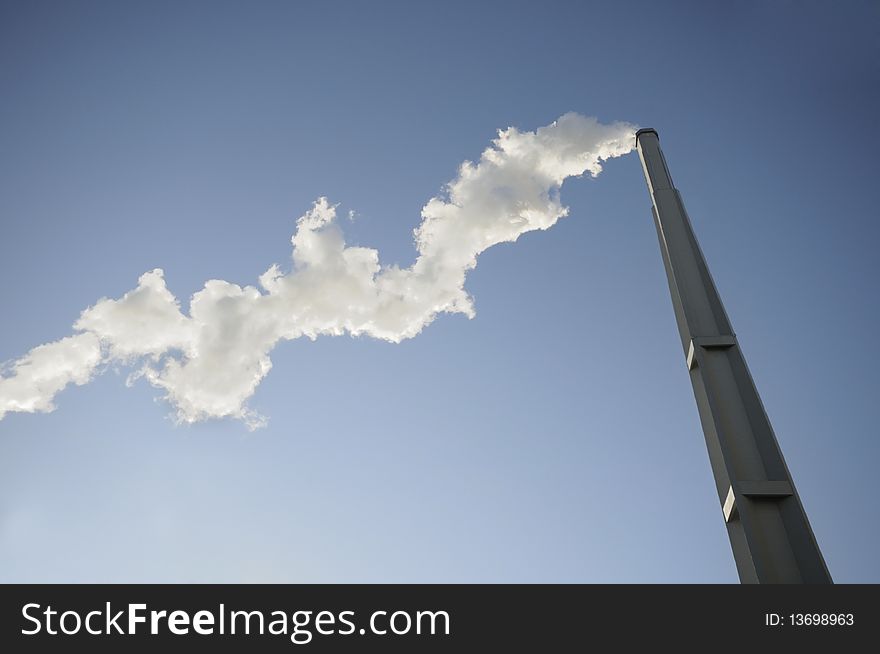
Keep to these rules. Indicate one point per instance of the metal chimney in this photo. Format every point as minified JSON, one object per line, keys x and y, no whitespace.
{"x":769,"y":532}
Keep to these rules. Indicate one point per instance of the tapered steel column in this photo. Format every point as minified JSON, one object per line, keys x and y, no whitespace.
{"x":769,"y":532}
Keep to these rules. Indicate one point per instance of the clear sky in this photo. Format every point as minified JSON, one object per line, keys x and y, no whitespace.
{"x":552,"y":438}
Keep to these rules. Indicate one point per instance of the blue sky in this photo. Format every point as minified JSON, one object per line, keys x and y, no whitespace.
{"x":552,"y":438}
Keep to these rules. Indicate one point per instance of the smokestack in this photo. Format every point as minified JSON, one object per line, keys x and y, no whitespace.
{"x":769,"y":532}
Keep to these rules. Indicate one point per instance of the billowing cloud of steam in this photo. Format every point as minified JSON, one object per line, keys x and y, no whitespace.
{"x":208,"y":363}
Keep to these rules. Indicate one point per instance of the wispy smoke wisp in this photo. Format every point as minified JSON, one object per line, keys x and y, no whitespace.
{"x":208,"y":363}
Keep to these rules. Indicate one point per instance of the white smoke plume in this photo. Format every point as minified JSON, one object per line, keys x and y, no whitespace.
{"x":209,"y":363}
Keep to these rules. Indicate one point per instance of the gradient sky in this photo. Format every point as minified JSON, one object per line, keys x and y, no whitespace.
{"x":554,"y":437}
